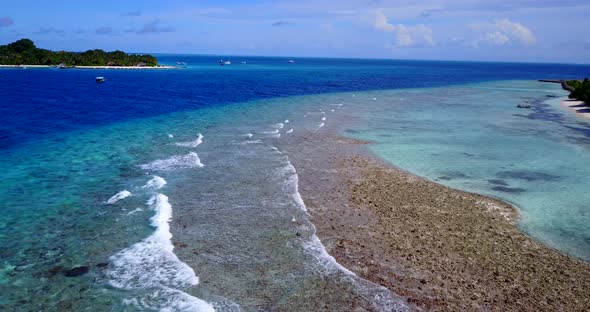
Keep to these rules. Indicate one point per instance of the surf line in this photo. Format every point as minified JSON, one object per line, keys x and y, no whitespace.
{"x":152,"y":264}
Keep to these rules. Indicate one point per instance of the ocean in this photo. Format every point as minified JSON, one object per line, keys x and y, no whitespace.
{"x":98,"y":177}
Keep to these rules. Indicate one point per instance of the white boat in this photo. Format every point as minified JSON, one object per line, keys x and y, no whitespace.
{"x":100,"y":79}
{"x":290,"y":61}
{"x":222,"y":62}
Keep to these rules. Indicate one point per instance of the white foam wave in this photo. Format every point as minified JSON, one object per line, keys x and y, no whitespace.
{"x":152,"y":264}
{"x":248,"y":135}
{"x":168,"y":300}
{"x":193,"y":143}
{"x":381,"y":298}
{"x":117,"y":197}
{"x":155,"y":183}
{"x":291,"y":186}
{"x":271,"y":134}
{"x":286,"y":121}
{"x":190,"y":160}
{"x":134,"y":211}
{"x":323,"y":118}
{"x":319,"y":126}
{"x":315,"y":246}
{"x":374,"y":99}
{"x":170,"y":135}
{"x":331,"y":110}
{"x":289,"y":131}
{"x":279,"y":125}
{"x":248,"y":142}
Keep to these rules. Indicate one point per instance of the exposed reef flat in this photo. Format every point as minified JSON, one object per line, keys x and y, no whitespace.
{"x":442,"y":249}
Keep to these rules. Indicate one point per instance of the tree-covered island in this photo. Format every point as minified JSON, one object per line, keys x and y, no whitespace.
{"x":24,"y":52}
{"x":581,"y":90}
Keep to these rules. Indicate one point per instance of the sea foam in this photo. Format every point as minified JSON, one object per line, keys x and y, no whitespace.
{"x":151,"y":264}
{"x":155,"y":183}
{"x":249,"y":142}
{"x":272,"y":134}
{"x":381,"y":298}
{"x":190,"y":160}
{"x":292,"y":186}
{"x":319,"y":126}
{"x":117,"y":197}
{"x":289,"y":131}
{"x":193,"y":143}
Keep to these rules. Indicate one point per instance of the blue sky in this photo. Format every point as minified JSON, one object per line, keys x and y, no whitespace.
{"x":493,"y":30}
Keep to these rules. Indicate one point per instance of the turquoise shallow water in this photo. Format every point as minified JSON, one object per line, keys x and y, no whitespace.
{"x":474,"y":138}
{"x":242,"y":225}
{"x":237,"y":220}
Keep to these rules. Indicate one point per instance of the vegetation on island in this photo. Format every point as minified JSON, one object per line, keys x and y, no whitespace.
{"x":581,"y":90}
{"x":24,"y":52}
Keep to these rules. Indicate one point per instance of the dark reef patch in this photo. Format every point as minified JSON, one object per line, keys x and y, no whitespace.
{"x":505,"y":189}
{"x":527,"y":175}
{"x":455,"y":175}
{"x":498,"y":182}
{"x":77,"y":271}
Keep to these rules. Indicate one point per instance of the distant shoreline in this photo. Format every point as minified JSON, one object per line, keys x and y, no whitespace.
{"x":91,"y":67}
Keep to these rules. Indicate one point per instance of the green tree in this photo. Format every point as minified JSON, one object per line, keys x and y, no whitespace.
{"x":24,"y":51}
{"x":581,"y":91}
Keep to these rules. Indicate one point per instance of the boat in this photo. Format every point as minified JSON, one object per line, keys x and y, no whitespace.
{"x":222,"y":62}
{"x":100,"y":79}
{"x":290,"y":61}
{"x":243,"y":62}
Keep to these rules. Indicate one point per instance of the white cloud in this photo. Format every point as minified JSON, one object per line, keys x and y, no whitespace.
{"x":516,"y":30}
{"x":496,"y":38}
{"x":406,"y":36}
{"x":501,"y":32}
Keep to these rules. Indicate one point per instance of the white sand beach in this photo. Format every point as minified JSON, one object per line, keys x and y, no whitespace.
{"x":578,"y":107}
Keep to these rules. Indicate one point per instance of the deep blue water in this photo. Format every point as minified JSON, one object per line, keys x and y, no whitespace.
{"x":68,"y":144}
{"x":37,"y":102}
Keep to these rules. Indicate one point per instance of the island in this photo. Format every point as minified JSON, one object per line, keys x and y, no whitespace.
{"x":579,"y":98}
{"x":580,"y":90}
{"x":23,"y":52}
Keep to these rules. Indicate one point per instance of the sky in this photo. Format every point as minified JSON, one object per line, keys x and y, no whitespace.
{"x":492,"y":30}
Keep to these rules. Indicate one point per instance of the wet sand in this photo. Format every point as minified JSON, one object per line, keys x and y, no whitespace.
{"x":442,"y":249}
